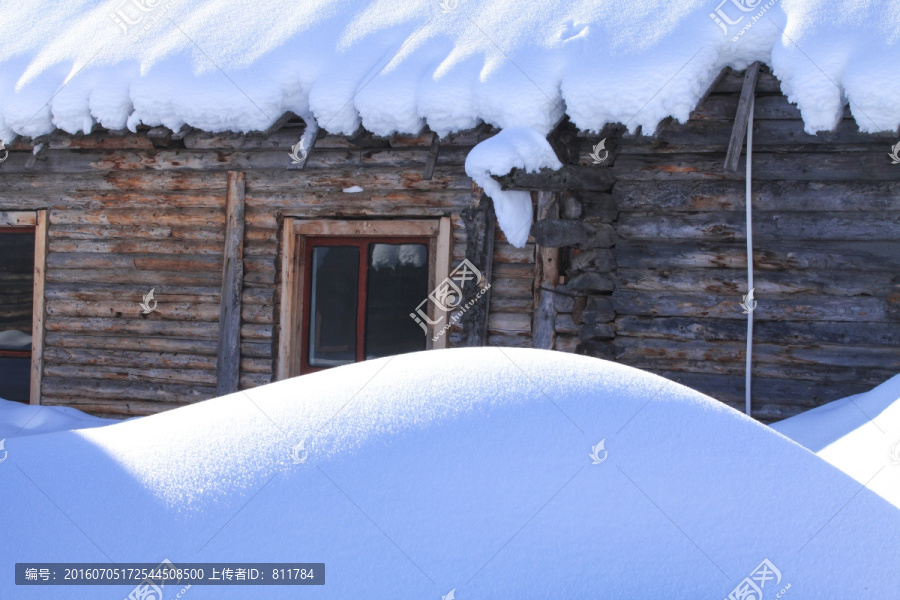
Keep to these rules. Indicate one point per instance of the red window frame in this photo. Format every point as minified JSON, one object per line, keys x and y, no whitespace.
{"x":362,"y":244}
{"x":18,"y":230}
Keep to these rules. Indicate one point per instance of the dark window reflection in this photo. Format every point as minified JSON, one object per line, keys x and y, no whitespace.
{"x":397,"y":279}
{"x":16,"y":301}
{"x":333,"y":305}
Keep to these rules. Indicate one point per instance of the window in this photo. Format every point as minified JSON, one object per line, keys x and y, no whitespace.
{"x":349,"y":288}
{"x":22,"y":235}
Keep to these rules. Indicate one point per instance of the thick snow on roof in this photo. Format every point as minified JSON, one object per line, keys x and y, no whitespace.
{"x":474,"y":470}
{"x":396,"y":65}
{"x":859,"y":435}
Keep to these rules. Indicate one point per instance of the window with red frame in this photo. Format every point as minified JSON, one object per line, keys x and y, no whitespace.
{"x":359,"y":293}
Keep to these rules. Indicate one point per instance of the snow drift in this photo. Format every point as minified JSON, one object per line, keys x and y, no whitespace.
{"x":859,"y":435}
{"x":17,"y":419}
{"x":474,"y":470}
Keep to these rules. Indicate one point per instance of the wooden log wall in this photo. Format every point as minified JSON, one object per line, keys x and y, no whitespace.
{"x":127,"y":216}
{"x":827,"y":257}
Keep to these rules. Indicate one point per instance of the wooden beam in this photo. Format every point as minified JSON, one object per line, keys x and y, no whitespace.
{"x":279,"y":123}
{"x":288,"y":309}
{"x":748,"y":91}
{"x":442,"y":268}
{"x":366,"y":139}
{"x":37,"y":317}
{"x":161,"y":137}
{"x":546,"y":277}
{"x":432,"y":157}
{"x":490,"y":224}
{"x":17,"y":218}
{"x":569,"y":177}
{"x":229,"y":349}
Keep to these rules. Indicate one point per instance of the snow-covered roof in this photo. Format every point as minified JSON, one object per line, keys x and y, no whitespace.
{"x":396,"y":65}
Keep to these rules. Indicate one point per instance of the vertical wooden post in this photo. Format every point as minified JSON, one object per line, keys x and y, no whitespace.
{"x":228,"y":365}
{"x":37,"y":316}
{"x":546,"y":265}
{"x":741,"y":117}
{"x":442,"y":269}
{"x":288,"y":310}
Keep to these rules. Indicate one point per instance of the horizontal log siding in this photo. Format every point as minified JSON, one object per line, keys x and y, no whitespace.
{"x":827,"y":256}
{"x":126,"y":216}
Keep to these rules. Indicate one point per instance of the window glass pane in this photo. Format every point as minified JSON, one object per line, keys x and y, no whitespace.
{"x":333,"y":303}
{"x":397,"y":281}
{"x":16,"y":298}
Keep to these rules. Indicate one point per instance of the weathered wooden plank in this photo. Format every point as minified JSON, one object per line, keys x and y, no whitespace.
{"x":125,"y":391}
{"x":108,"y":232}
{"x":546,"y":274}
{"x":561,"y":233}
{"x":169,"y":311}
{"x":433,"y":152}
{"x":144,"y":344}
{"x":480,"y":224}
{"x":773,"y":332}
{"x":768,"y":166}
{"x":287,"y":136}
{"x":130,"y":358}
{"x":732,"y":81}
{"x":509,"y":323}
{"x":371,"y":178}
{"x":766,"y":226}
{"x":806,"y":308}
{"x":135,"y":246}
{"x":111,"y":408}
{"x":773,"y":398}
{"x":53,"y":184}
{"x":769,"y":136}
{"x":142,"y":280}
{"x":767,"y":283}
{"x":86,"y":161}
{"x":510,"y":340}
{"x":18,"y":218}
{"x":862,"y":256}
{"x":634,"y":351}
{"x":213,"y":218}
{"x":314,"y":203}
{"x":724,"y":107}
{"x":105,"y":291}
{"x":229,"y":352}
{"x":132,"y":374}
{"x":570,"y":177}
{"x":139,"y":327}
{"x":742,"y":116}
{"x":39,"y":313}
{"x":781,"y":196}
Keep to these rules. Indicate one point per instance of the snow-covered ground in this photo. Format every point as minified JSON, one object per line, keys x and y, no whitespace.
{"x":859,"y":435}
{"x":17,"y":419}
{"x":474,"y":470}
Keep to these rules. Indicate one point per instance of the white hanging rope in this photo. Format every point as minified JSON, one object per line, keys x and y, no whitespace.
{"x":749,"y":302}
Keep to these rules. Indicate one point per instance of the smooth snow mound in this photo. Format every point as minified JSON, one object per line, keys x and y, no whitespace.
{"x":395,"y":66}
{"x":860,"y":435}
{"x":470,"y":470}
{"x":17,"y":419}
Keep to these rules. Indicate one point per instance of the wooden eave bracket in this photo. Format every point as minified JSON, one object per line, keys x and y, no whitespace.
{"x":433,"y":153}
{"x":741,"y":117}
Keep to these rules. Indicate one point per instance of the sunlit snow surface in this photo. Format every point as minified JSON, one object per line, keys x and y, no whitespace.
{"x":467,"y":469}
{"x":396,"y":65}
{"x":859,"y":435}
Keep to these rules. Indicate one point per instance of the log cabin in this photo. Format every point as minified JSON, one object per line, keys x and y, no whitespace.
{"x":147,"y":268}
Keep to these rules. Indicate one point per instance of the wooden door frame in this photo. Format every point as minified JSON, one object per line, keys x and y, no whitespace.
{"x":38,"y":221}
{"x":296,"y":231}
